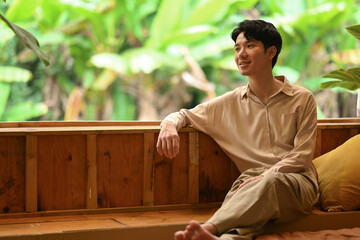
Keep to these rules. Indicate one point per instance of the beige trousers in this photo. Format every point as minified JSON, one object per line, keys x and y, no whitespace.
{"x":277,"y":197}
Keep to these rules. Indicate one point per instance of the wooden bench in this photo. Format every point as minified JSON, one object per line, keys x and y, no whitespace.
{"x":86,"y":180}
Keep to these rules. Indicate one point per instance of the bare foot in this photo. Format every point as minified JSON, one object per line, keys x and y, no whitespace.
{"x":195,"y":231}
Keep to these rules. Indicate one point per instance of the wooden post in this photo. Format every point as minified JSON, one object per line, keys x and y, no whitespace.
{"x":31,"y":174}
{"x":91,"y":181}
{"x":149,"y":169}
{"x":193,"y":167}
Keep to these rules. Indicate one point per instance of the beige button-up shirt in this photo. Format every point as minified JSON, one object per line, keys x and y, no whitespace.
{"x":279,"y":136}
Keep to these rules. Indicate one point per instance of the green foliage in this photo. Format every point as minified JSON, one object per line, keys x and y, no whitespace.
{"x":4,"y":95}
{"x":20,"y":111}
{"x":349,"y":79}
{"x":116,"y":53}
{"x":14,"y":74}
{"x":22,"y":10}
{"x":354,"y":30}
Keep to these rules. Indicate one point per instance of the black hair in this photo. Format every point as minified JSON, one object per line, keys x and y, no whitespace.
{"x":261,"y":31}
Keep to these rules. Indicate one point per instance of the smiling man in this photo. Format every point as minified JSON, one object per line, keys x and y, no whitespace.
{"x":267,"y":128}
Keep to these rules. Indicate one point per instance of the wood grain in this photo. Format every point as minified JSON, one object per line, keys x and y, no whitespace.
{"x":12,"y":174}
{"x":31,"y":174}
{"x":149,"y":169}
{"x":215,"y":171}
{"x":61,"y":172}
{"x":193,"y":167}
{"x":120,"y":170}
{"x":91,"y":167}
{"x":332,"y":138}
{"x":171,"y":175}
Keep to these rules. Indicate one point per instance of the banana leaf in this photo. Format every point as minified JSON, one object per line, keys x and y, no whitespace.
{"x":349,"y":79}
{"x":14,"y":74}
{"x":21,"y":10}
{"x":24,"y":111}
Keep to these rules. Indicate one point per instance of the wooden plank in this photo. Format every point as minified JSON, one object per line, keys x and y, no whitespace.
{"x":42,"y":228}
{"x":149,"y":169}
{"x":120,"y":170}
{"x":12,"y":174}
{"x":354,"y":131}
{"x":317,"y":152}
{"x":71,"y":214}
{"x":193,"y":167}
{"x":171,"y":175}
{"x":82,"y":123}
{"x":332,"y":138}
{"x":61,"y":172}
{"x":215,"y":171}
{"x":31,"y":174}
{"x":91,"y":180}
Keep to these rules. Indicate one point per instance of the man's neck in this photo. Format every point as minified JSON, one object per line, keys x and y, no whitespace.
{"x":264,"y":86}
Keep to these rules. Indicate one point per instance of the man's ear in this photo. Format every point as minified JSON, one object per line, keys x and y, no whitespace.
{"x":271,"y":51}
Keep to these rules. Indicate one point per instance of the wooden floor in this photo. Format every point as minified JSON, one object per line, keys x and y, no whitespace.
{"x":159,"y":224}
{"x":149,"y":225}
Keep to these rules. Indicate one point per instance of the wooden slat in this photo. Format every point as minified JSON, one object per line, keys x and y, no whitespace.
{"x":31,"y":174}
{"x":120,"y":170}
{"x":171,"y":175}
{"x":149,"y":169}
{"x":12,"y":174}
{"x":354,"y":131}
{"x":193,"y":167}
{"x":332,"y":138}
{"x":91,"y":180}
{"x":61,"y":172}
{"x":317,"y":152}
{"x":215,"y":171}
{"x":45,"y":131}
{"x":76,"y":123}
{"x":71,"y":213}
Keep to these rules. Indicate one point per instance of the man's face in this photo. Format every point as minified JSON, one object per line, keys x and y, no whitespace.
{"x":250,"y":56}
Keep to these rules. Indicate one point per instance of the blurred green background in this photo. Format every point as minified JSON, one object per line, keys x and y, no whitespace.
{"x":143,"y":59}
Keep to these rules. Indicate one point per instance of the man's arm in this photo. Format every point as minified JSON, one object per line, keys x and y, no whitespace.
{"x":168,"y":143}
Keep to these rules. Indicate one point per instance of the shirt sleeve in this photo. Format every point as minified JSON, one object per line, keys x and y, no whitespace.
{"x":300,"y":157}
{"x":195,"y":117}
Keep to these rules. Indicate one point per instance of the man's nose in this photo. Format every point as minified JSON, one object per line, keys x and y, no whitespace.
{"x":242,"y":53}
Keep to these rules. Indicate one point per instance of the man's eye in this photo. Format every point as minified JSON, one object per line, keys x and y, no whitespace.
{"x":250,"y":45}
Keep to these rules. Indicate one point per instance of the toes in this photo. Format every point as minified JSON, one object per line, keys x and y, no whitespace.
{"x":180,"y":235}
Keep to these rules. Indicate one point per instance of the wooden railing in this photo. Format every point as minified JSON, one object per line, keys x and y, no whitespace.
{"x":69,"y":166}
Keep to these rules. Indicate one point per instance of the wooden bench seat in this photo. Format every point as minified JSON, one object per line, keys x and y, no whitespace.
{"x":94,"y":180}
{"x":150,"y":225}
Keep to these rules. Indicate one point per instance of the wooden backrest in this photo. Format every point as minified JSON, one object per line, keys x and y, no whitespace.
{"x":48,"y":166}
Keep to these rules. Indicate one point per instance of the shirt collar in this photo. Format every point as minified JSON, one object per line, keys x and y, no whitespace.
{"x":286,"y":88}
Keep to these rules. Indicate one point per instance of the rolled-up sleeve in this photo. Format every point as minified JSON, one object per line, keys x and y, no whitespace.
{"x":195,"y":117}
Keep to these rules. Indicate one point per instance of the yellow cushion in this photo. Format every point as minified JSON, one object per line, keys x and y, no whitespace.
{"x":339,"y":177}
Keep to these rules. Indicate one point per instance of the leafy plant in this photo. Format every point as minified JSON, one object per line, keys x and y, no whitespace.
{"x":348,"y":79}
{"x":27,"y":39}
{"x":10,"y":75}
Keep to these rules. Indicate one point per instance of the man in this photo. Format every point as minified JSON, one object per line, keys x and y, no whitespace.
{"x":268,"y":128}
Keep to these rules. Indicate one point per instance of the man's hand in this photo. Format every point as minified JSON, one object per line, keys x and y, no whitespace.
{"x":168,"y":143}
{"x":249,"y":180}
